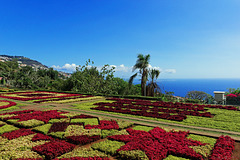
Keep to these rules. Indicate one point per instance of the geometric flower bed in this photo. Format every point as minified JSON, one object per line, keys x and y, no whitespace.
{"x":159,"y":109}
{"x":6,"y":104}
{"x":43,"y":96}
{"x":26,"y":115}
{"x":223,"y":148}
{"x":62,"y":135}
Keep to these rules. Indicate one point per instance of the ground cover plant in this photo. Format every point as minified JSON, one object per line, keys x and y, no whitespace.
{"x":6,"y":104}
{"x":159,"y":109}
{"x":222,"y":117}
{"x":44,"y":97}
{"x":59,"y":137}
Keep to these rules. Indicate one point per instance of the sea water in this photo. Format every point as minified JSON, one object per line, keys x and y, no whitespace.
{"x":180,"y":87}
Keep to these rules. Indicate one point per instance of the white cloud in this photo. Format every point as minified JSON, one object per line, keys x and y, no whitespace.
{"x":171,"y":71}
{"x":123,"y":68}
{"x":66,"y":67}
{"x":151,"y":67}
{"x":120,"y":70}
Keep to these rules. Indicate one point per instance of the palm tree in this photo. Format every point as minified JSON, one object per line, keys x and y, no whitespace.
{"x":141,"y":64}
{"x":153,"y":74}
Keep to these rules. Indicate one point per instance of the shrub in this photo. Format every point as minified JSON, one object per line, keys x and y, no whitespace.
{"x":108,"y":146}
{"x":43,"y":129}
{"x":53,"y":149}
{"x":86,"y":121}
{"x":7,"y":128}
{"x":133,"y":154}
{"x":17,"y":133}
{"x":142,"y":128}
{"x":83,"y":152}
{"x":84,"y":139}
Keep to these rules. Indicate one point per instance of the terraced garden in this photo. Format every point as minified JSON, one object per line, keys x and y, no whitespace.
{"x":51,"y":125}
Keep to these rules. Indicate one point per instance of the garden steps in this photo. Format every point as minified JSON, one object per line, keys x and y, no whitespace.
{"x":192,"y":129}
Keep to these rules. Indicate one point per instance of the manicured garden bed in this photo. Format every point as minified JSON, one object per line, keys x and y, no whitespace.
{"x":5,"y":105}
{"x":222,"y":117}
{"x":46,"y":97}
{"x":61,"y":135}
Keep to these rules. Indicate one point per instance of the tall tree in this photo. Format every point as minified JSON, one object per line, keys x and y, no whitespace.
{"x":152,"y":86}
{"x":142,"y":64}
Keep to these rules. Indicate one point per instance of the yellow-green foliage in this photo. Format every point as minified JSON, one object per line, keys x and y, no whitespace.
{"x":31,"y":123}
{"x":108,"y":146}
{"x":59,"y":120}
{"x":170,"y":157}
{"x":19,"y":148}
{"x":203,"y":139}
{"x":83,"y":152}
{"x":10,"y":108}
{"x":124,"y":124}
{"x":57,"y":134}
{"x":205,"y":151}
{"x":76,"y":130}
{"x":3,"y":140}
{"x":1,"y":122}
{"x":77,"y":100}
{"x":90,"y":121}
{"x":44,"y":128}
{"x":133,"y":154}
{"x":9,"y":155}
{"x":111,"y":132}
{"x":22,"y":143}
{"x":7,"y":115}
{"x":7,"y":128}
{"x":142,"y":128}
{"x":69,"y":115}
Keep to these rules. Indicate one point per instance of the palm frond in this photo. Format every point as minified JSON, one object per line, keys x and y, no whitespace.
{"x":131,"y":79}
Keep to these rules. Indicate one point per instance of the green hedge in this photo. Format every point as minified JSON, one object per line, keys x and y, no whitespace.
{"x":108,"y":146}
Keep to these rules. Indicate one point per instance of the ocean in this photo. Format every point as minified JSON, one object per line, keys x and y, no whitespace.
{"x":180,"y":87}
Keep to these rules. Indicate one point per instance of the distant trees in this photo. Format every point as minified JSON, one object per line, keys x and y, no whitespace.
{"x":199,"y":95}
{"x":26,"y":77}
{"x":86,"y":79}
{"x":89,"y":79}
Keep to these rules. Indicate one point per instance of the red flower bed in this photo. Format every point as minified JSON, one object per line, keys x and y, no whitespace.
{"x":54,"y":148}
{"x":8,"y":105}
{"x":44,"y":116}
{"x":58,"y":126}
{"x":84,"y":139}
{"x":85,"y":158}
{"x":167,"y":109}
{"x":17,"y":133}
{"x":104,"y":125}
{"x":40,"y":136}
{"x":157,"y":143}
{"x":223,"y":149}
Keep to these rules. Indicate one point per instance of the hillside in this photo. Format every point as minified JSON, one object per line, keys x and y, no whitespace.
{"x":23,"y":61}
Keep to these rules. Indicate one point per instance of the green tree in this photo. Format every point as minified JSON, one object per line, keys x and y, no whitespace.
{"x":89,"y":79}
{"x":142,"y":64}
{"x":153,"y":86}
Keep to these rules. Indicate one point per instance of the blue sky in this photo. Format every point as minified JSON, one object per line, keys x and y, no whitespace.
{"x":185,"y":38}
